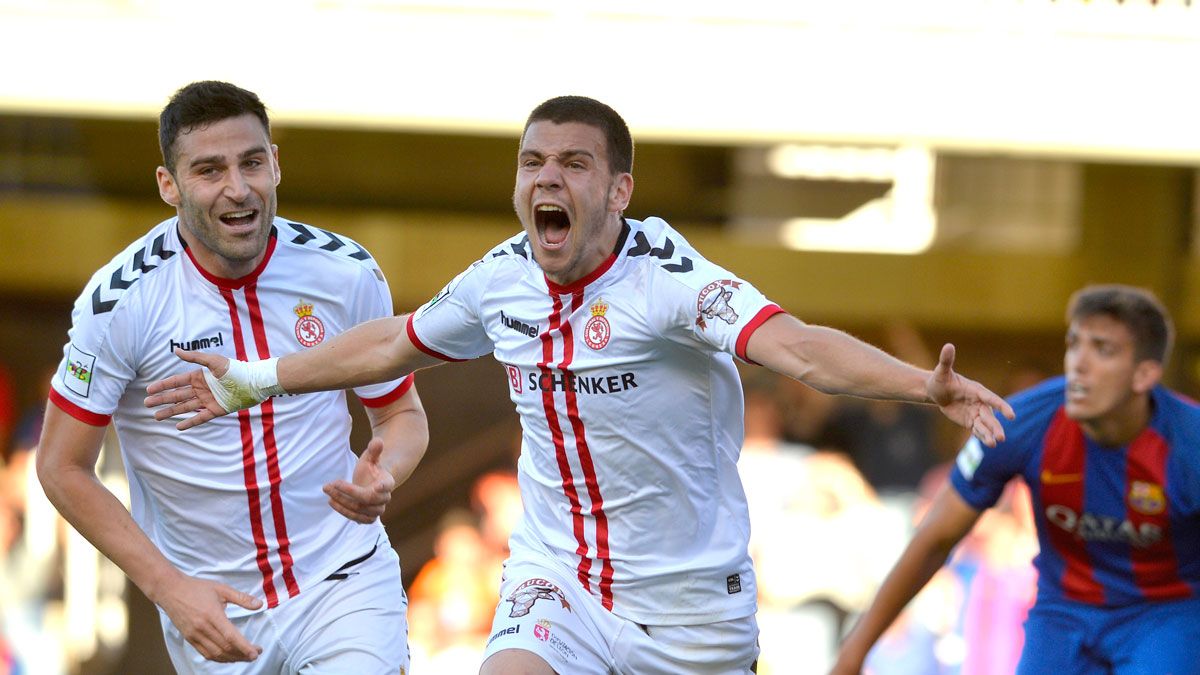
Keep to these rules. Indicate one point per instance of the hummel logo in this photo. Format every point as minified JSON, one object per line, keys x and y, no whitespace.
{"x":519,"y":325}
{"x":217,"y":340}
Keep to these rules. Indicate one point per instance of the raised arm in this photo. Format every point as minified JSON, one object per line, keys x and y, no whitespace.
{"x":949,"y":520}
{"x":66,"y":467}
{"x":371,"y":352}
{"x":837,"y":363}
{"x":400,"y":435}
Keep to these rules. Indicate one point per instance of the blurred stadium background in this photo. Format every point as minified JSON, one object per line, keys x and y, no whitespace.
{"x":917,"y":172}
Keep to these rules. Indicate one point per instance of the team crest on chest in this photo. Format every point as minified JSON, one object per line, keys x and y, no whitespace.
{"x":310,"y":330}
{"x":597,"y":331}
{"x":713,"y":302}
{"x":1147,"y":498}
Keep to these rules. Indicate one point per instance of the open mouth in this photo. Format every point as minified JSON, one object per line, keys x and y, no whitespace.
{"x":553,"y":224}
{"x":239,"y":218}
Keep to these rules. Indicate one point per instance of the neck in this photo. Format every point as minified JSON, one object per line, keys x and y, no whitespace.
{"x":1121,"y":426}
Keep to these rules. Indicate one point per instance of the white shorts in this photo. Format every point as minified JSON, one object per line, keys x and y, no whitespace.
{"x":353,"y":622}
{"x":542,"y":612}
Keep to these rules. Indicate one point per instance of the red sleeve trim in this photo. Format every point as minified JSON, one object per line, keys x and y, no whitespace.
{"x":81,"y":414}
{"x":758,"y":320}
{"x":400,"y":390}
{"x":412,"y":336}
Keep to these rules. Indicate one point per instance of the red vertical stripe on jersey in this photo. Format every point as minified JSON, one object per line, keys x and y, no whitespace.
{"x":560,"y":451}
{"x":249,"y":474}
{"x":267,"y":408}
{"x":1062,"y":484}
{"x":1155,"y":567}
{"x":585,"y":461}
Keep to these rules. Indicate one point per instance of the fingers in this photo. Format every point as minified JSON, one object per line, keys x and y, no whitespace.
{"x":196,"y":420}
{"x":946,"y":359}
{"x":373,"y":452}
{"x":166,"y":384}
{"x":358,"y":503}
{"x":238,"y":598}
{"x":214,"y":362}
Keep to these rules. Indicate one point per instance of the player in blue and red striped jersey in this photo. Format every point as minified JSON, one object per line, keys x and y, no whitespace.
{"x":1112,"y":459}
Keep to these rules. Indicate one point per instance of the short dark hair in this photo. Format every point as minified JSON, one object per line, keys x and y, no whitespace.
{"x":564,"y":109}
{"x":1138,"y":309}
{"x":200,"y":104}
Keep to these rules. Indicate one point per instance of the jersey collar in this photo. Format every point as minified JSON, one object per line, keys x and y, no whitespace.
{"x":579,"y":284}
{"x":222,"y":282}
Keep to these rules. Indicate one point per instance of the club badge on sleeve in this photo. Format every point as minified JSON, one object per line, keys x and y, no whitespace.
{"x":713,"y":302}
{"x":78,"y":372}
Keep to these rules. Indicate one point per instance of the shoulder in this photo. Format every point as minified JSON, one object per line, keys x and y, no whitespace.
{"x":315,"y":245}
{"x":1181,"y":417}
{"x":1036,"y":408}
{"x":668,"y":255}
{"x":128,"y":272}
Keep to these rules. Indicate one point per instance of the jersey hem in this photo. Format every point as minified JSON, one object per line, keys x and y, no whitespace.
{"x":82,"y":414}
{"x":400,"y":390}
{"x":744,"y":337}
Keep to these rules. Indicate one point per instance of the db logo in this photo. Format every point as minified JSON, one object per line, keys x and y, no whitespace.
{"x":514,"y":377}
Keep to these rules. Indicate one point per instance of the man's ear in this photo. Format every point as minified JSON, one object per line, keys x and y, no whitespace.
{"x":167,"y":188}
{"x":1146,"y":374}
{"x":621,"y":193}
{"x":275,"y":158}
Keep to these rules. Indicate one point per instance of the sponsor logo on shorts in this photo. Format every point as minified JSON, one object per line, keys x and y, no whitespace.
{"x":542,"y":630}
{"x":530,"y":592}
{"x":77,"y":374}
{"x":733,"y":583}
{"x":713,"y":302}
{"x":511,"y":630}
{"x":310,"y":330}
{"x":597,"y":331}
{"x":1147,"y":498}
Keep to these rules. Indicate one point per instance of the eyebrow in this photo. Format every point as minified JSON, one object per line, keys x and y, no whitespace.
{"x":572,"y":152}
{"x":217,"y":159}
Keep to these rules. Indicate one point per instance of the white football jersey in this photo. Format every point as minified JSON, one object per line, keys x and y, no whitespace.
{"x":239,"y":499}
{"x":631,"y":410}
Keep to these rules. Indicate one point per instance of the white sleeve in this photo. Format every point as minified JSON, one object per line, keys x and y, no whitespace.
{"x":448,"y":326}
{"x":372,"y":299}
{"x":99,"y":359}
{"x":711,"y":307}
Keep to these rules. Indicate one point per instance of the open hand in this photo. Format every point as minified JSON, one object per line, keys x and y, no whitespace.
{"x":367,"y":496}
{"x":188,"y":392}
{"x":197,"y":609}
{"x":966,"y":402}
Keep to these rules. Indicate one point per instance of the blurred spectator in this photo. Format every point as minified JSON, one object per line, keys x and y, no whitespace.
{"x":802,"y":502}
{"x":892,"y":444}
{"x":496,"y":497}
{"x":452,"y":599}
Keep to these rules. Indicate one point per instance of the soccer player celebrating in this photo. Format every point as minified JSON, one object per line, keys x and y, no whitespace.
{"x":1110,"y":457}
{"x":618,"y":340}
{"x":230,"y":534}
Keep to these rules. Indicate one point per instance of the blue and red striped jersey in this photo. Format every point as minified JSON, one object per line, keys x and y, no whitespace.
{"x":1116,"y":525}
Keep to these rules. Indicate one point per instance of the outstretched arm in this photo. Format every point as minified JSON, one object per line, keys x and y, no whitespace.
{"x":837,"y":363}
{"x":66,"y":466}
{"x":371,"y":352}
{"x":400,"y":436}
{"x":948,"y":521}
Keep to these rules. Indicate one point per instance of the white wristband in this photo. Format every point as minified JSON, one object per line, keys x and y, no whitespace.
{"x":245,"y":384}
